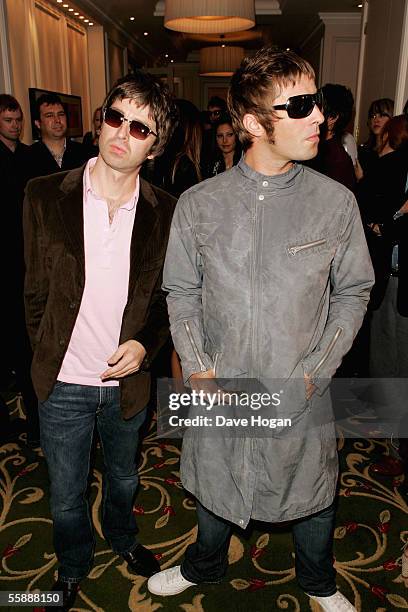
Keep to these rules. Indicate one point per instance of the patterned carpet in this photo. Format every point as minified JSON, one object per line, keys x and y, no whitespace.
{"x":372,"y":527}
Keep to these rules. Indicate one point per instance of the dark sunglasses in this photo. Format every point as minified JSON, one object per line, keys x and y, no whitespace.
{"x":299,"y":107}
{"x":115,"y":118}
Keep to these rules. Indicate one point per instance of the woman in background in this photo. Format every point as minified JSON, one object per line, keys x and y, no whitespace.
{"x":379,"y":113}
{"x":91,"y":139}
{"x":228,"y":148}
{"x":179,"y":166}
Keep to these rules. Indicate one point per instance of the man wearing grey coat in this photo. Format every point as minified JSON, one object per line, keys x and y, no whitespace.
{"x":268,"y":276}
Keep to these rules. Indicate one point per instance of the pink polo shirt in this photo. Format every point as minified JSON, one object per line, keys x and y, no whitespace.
{"x":107,"y":253}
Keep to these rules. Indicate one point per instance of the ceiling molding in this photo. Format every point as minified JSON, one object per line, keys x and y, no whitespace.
{"x":340,"y":18}
{"x":262,"y":7}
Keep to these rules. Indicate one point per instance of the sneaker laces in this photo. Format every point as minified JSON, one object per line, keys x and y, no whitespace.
{"x":173,"y":573}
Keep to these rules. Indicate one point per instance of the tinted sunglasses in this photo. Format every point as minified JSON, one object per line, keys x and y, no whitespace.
{"x":299,"y":107}
{"x":115,"y":118}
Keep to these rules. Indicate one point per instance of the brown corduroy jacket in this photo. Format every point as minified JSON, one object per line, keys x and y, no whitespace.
{"x":55,"y":278}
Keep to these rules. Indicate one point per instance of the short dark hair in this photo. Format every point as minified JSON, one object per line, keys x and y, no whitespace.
{"x":9,"y":103}
{"x":48,"y":99}
{"x":147,"y":90}
{"x":338,"y":102}
{"x":217,"y":101}
{"x":258,"y":82}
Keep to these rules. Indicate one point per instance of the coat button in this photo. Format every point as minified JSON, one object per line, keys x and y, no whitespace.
{"x":261,"y":197}
{"x":72,"y":305}
{"x":241,"y":522}
{"x":62,"y":342}
{"x":265,"y":183}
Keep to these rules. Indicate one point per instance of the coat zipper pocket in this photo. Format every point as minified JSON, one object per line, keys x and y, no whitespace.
{"x":194,"y":346}
{"x":215,"y":362}
{"x":327,"y":352}
{"x":293,"y":250}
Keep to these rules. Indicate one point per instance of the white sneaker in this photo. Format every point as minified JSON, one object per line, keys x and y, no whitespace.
{"x":168,"y":582}
{"x":334,"y":603}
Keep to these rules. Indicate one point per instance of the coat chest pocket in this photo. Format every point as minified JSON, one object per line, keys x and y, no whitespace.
{"x":303,"y":248}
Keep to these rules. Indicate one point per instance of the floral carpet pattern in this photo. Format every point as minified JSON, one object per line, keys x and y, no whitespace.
{"x":372,"y":528}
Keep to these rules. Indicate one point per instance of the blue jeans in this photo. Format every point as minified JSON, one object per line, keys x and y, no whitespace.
{"x":207,"y":559}
{"x":67,"y":422}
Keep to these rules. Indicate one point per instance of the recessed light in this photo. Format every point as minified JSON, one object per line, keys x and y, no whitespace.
{"x":223,"y":46}
{"x":91,"y":23}
{"x":81,"y":17}
{"x":76,"y":14}
{"x":145,"y":33}
{"x":166,"y":55}
{"x":86,"y":20}
{"x":71,"y":10}
{"x":287,"y":48}
{"x":131,"y":18}
{"x":65,"y":5}
{"x":60,"y":1}
{"x":172,"y":61}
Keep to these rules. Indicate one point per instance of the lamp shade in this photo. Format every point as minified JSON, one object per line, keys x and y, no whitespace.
{"x":220,"y":61}
{"x":209,"y":16}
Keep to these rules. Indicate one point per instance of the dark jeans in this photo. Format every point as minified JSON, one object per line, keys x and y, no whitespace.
{"x":67,"y":422}
{"x":207,"y":559}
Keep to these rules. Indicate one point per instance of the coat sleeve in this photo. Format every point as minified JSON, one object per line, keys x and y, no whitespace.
{"x":36,"y":281}
{"x":183,"y":282}
{"x":156,"y":330}
{"x":351,"y":278}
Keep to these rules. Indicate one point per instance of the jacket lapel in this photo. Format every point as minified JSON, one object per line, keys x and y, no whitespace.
{"x":71,"y":210}
{"x":144,"y":224}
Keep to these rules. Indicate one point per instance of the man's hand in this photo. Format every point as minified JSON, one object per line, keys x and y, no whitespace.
{"x":126,"y":360}
{"x":310,"y":387}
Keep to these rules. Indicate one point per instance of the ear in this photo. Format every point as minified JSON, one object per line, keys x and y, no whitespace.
{"x":252,"y":125}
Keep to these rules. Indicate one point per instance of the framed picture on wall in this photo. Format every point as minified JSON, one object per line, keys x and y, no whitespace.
{"x":72,"y":105}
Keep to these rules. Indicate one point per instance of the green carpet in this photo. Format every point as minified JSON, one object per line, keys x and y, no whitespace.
{"x":372,"y":527}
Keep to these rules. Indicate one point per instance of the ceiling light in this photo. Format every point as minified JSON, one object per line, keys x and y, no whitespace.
{"x":76,"y":14}
{"x":60,"y":1}
{"x":86,"y":20}
{"x":223,"y":46}
{"x":71,"y":10}
{"x":359,"y":6}
{"x":209,"y":16}
{"x":172,"y":61}
{"x":166,"y":55}
{"x":287,"y":48}
{"x":217,"y":61}
{"x":90,"y":23}
{"x":65,"y":5}
{"x":131,"y":18}
{"x":81,"y":17}
{"x":145,"y":33}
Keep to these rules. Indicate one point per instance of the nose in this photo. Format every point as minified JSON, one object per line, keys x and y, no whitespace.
{"x":317,"y":115}
{"x":123,"y":130}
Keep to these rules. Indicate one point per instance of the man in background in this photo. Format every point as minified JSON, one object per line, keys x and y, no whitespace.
{"x":16,"y":351}
{"x":54,"y":151}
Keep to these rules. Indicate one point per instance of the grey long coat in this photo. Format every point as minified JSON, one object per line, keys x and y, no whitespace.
{"x":269,"y":277}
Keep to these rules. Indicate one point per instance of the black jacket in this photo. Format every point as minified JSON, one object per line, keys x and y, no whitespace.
{"x":41,"y":162}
